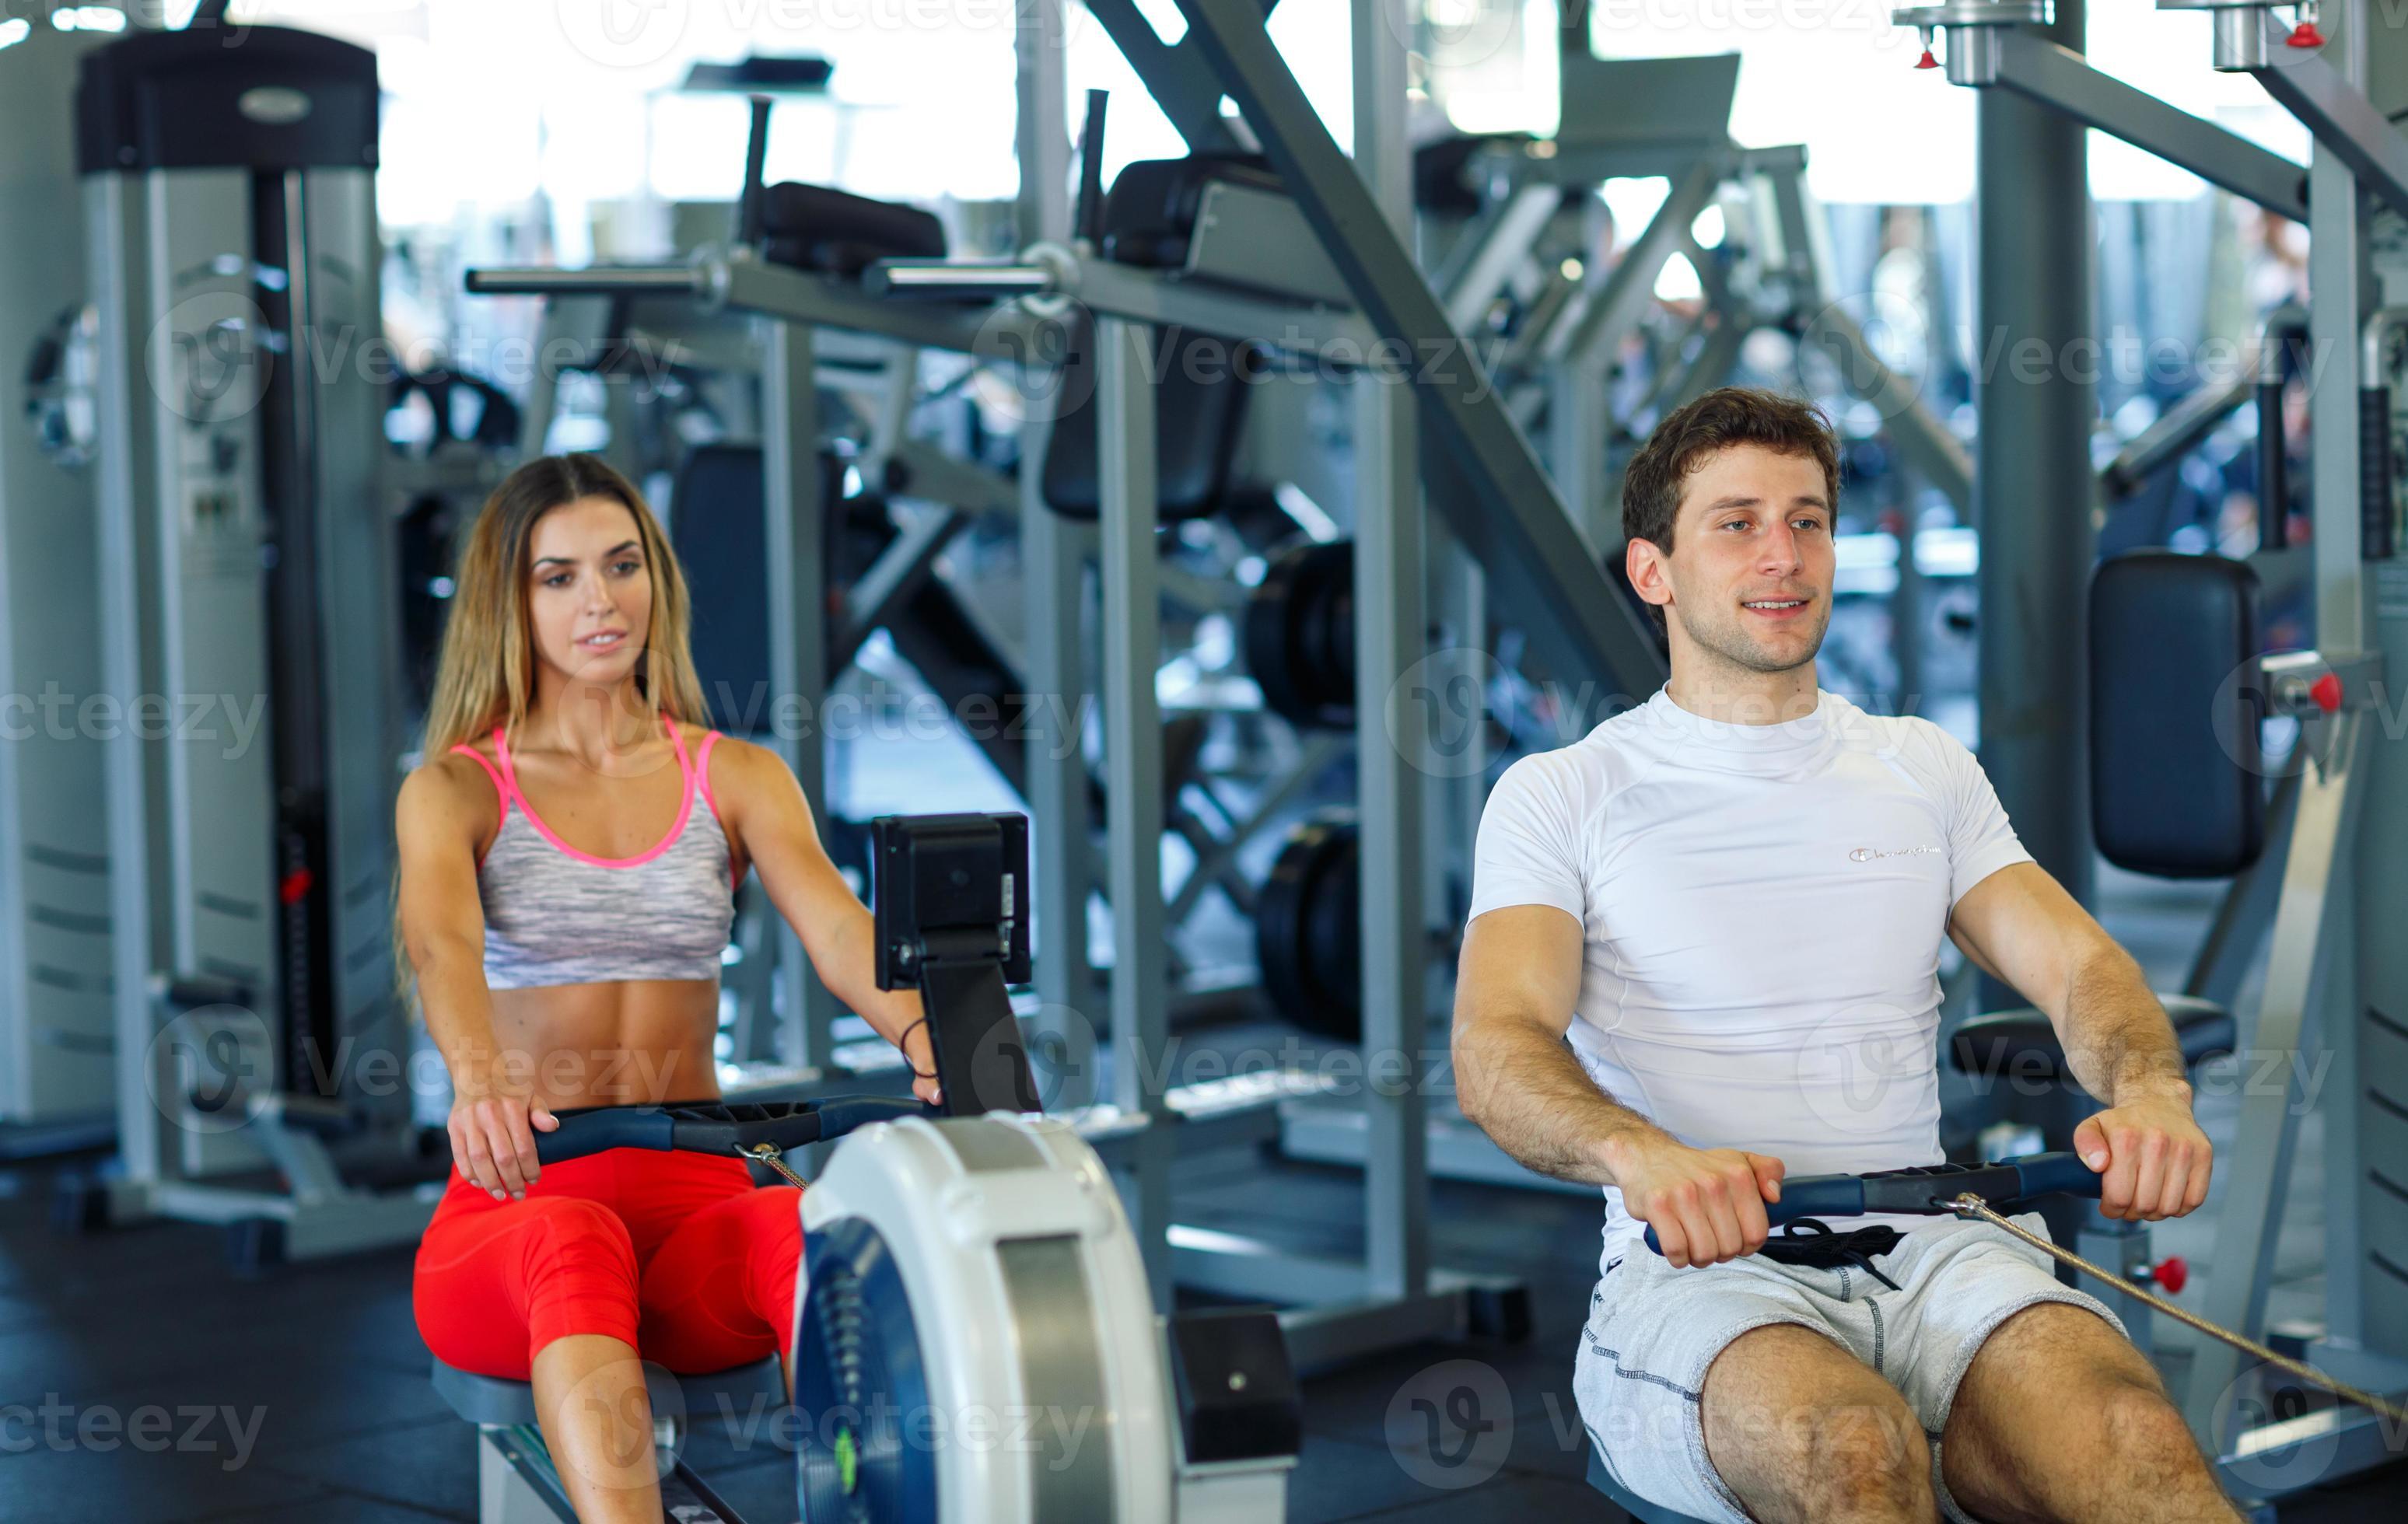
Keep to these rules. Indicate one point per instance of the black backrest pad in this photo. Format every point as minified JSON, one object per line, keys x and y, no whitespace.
{"x":1151,"y":210}
{"x":2177,"y":786}
{"x":1200,"y":406}
{"x":813,"y":227}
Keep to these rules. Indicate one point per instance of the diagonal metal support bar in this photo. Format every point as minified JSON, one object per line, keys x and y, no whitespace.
{"x":2061,"y":78}
{"x":1178,"y":79}
{"x":2341,"y":118}
{"x":1621,"y":295}
{"x":1509,"y":518}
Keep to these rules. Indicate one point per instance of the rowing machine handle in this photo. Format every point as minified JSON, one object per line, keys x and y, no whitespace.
{"x":1914,"y":1189}
{"x":1808,"y":1196}
{"x":713,"y":1128}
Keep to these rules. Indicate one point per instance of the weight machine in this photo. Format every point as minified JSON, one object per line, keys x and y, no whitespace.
{"x":2337,"y":976}
{"x":244,"y":559}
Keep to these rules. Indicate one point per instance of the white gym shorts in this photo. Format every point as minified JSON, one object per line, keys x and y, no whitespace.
{"x":1653,"y":1330}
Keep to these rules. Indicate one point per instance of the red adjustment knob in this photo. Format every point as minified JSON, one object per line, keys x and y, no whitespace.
{"x":2305,"y":36}
{"x":2326,"y":691}
{"x":295,"y":887}
{"x":1927,"y":61}
{"x":2171,"y":1273}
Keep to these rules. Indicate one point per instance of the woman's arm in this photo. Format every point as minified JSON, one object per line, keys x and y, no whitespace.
{"x":763,"y":806}
{"x":438,"y":822}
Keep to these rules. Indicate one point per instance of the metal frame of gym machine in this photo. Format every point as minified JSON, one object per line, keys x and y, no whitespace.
{"x":56,"y":1077}
{"x":234,"y":872}
{"x":683,"y":308}
{"x":1506,"y":516}
{"x":2337,"y":975}
{"x":880,"y":378}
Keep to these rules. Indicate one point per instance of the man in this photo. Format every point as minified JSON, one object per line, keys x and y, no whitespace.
{"x":1731,"y":899}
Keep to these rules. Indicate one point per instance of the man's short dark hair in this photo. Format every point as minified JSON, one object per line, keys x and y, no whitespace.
{"x":1692,"y":434}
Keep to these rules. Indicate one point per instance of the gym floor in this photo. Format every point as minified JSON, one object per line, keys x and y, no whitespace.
{"x":326,"y":1362}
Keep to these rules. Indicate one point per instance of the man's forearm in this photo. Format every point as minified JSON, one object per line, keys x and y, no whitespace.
{"x":1530,"y":1095}
{"x":2118,"y":1040}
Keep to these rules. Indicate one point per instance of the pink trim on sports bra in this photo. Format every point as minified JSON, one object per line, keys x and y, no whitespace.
{"x":702,"y":775}
{"x":685,"y":805}
{"x":499,"y":787}
{"x":702,"y":769}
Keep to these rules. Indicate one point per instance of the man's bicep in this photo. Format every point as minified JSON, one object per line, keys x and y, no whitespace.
{"x":1521,"y":961}
{"x":2018,"y":924}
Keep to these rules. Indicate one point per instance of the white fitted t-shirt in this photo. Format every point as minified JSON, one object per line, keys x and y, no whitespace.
{"x":1762,"y":908}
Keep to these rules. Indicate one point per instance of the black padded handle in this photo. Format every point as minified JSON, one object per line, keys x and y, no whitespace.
{"x":1091,"y":169}
{"x":719,"y":1127}
{"x":2374,"y":473}
{"x":1920,"y":1190}
{"x":2273,"y":482}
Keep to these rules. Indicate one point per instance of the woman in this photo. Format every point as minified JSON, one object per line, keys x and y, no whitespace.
{"x":569,"y":853}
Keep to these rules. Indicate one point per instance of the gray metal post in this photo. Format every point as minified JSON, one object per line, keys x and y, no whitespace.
{"x":1390,"y":637}
{"x":2364,"y":975}
{"x":1576,"y":432}
{"x":1053,"y":554}
{"x":2313,"y":967}
{"x":798,"y":657}
{"x":2033,"y":480}
{"x":1043,"y":129}
{"x":1124,"y":398}
{"x":2302,"y":969}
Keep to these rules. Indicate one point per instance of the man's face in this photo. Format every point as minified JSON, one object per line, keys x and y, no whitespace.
{"x":1749,"y":579}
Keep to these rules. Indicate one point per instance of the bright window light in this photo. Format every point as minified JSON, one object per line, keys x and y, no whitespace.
{"x":1678,"y":280}
{"x":14,"y":31}
{"x":1708,"y":229}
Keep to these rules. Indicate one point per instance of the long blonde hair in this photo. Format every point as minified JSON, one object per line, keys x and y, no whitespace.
{"x":486,"y":678}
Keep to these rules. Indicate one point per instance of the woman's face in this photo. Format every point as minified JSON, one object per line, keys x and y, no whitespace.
{"x":589,"y":590}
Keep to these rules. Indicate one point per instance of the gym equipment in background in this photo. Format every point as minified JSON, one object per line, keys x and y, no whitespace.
{"x":56,"y":1077}
{"x":248,"y":616}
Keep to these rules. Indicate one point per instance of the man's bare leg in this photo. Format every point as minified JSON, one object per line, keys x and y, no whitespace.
{"x":1807,"y":1433}
{"x":2059,"y":1417}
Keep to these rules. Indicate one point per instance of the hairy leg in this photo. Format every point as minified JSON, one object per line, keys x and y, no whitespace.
{"x":2060,"y":1417}
{"x":1803,"y":1431}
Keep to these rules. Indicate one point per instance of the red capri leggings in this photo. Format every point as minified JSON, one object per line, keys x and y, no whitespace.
{"x":677,"y":1254}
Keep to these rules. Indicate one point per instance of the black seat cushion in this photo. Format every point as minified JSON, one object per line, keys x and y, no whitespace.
{"x":2021,"y":1045}
{"x":1150,"y":212}
{"x":831,"y":232}
{"x":1441,"y":179}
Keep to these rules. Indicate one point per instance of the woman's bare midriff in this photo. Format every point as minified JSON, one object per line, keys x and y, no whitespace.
{"x":632,"y":1043}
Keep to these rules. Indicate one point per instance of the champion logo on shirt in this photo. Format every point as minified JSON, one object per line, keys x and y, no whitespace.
{"x":1873,"y":854}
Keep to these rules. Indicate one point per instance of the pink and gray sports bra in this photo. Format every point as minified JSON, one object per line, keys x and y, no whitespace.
{"x":554,"y":915}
